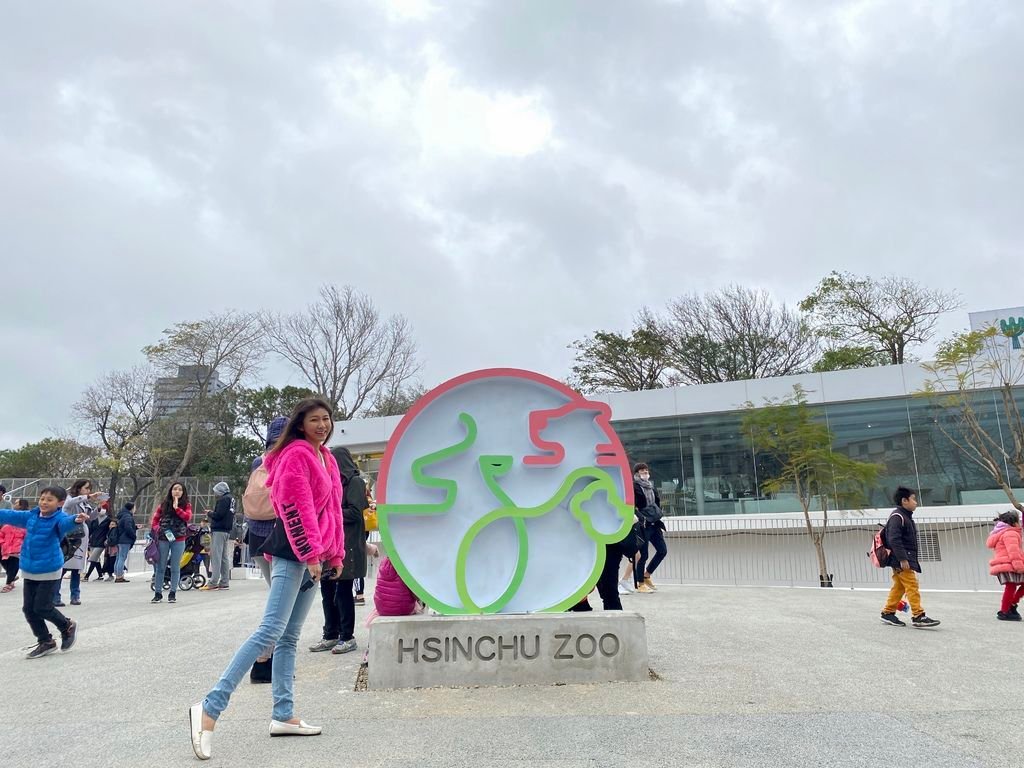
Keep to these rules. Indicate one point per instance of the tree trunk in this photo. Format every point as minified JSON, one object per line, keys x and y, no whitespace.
{"x":115,"y":478}
{"x":824,"y":577}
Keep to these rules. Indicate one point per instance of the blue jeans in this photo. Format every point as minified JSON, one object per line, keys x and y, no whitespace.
{"x":76,"y":586}
{"x":122,"y":558}
{"x":175,"y":549}
{"x":286,"y":611}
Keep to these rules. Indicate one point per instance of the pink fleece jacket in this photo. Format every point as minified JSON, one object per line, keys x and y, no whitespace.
{"x":1009,"y":557}
{"x":306,"y":495}
{"x":10,"y":540}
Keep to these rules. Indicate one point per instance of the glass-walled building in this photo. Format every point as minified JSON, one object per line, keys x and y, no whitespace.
{"x":704,"y":464}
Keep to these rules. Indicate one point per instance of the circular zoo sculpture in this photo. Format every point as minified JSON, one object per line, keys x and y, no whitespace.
{"x":499,"y":491}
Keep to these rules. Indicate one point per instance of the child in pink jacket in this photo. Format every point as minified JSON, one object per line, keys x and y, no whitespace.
{"x":391,"y":596}
{"x":10,"y":548}
{"x":1007,"y":564}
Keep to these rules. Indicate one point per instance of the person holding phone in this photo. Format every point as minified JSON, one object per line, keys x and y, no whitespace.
{"x":305,"y":491}
{"x":169,"y":528}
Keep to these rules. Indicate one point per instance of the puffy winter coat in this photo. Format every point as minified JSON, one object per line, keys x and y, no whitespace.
{"x":1009,"y":556}
{"x":901,"y":538}
{"x":10,"y":540}
{"x":126,"y":533}
{"x":306,"y":494}
{"x":391,"y":597}
{"x":40,"y":549}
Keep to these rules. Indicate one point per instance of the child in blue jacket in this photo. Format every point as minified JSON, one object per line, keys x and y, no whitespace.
{"x":41,"y":565}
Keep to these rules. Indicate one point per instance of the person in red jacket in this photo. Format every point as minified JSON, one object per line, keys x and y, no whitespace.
{"x":169,"y":527}
{"x":1007,"y":564}
{"x":10,"y":547}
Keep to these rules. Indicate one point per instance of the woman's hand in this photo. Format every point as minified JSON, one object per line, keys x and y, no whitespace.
{"x":371,"y":550}
{"x":315,"y":571}
{"x":81,"y":517}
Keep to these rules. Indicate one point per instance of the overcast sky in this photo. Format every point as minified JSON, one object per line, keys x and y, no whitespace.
{"x":510,"y":175}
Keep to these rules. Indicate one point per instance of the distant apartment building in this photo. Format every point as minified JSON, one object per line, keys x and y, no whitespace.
{"x":172,"y":393}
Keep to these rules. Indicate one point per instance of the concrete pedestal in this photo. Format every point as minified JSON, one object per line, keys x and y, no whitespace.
{"x":507,"y":649}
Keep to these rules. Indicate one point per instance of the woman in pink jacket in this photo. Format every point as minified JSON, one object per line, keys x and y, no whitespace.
{"x":10,"y":548}
{"x":1007,"y":564}
{"x":305,"y":490}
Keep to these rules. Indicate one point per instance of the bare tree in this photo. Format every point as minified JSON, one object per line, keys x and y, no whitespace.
{"x":118,"y":408}
{"x":344,"y":349}
{"x":968,"y":368}
{"x":886,"y":315}
{"x":221,"y":349}
{"x":736,"y":333}
{"x":608,"y":361}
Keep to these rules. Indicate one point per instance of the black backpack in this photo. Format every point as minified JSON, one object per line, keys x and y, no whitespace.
{"x":113,"y":535}
{"x":71,"y":543}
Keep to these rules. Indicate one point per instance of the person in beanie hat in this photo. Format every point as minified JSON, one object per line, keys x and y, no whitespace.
{"x":222,"y":520}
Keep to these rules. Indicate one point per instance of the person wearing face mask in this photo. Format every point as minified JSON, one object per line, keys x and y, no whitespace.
{"x":651,"y":527}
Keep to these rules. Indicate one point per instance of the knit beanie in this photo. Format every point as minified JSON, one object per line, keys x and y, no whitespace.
{"x":275,"y":428}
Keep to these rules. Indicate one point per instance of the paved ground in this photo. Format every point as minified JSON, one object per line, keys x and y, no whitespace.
{"x":749,"y":677}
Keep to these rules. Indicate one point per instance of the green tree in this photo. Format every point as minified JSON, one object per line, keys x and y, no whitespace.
{"x":787,"y":431}
{"x":258,"y":407}
{"x":56,"y":457}
{"x":608,"y":361}
{"x":397,"y":402}
{"x":888,"y":315}
{"x":842,"y":358}
{"x":966,"y":368}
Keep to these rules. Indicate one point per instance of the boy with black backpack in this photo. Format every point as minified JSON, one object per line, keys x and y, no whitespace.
{"x":901,"y":539}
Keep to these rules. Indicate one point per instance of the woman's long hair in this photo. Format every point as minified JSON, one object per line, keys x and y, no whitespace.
{"x":77,"y":486}
{"x":293,"y":429}
{"x":168,"y":502}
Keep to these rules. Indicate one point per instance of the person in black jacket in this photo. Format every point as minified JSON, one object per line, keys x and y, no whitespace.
{"x":901,"y":538}
{"x":222,"y":546}
{"x":648,"y":530}
{"x":339,"y":600}
{"x":126,"y":535}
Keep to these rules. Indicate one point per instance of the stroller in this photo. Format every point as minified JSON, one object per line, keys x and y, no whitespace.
{"x":197,"y":544}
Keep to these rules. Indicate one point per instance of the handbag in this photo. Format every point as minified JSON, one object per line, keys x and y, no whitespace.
{"x":369,"y":519}
{"x":651,"y":514}
{"x":152,"y":551}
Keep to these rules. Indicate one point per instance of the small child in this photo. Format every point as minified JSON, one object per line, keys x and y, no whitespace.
{"x":391,"y":597}
{"x":41,"y":563}
{"x":1007,"y":564}
{"x":901,"y":537}
{"x":11,"y":538}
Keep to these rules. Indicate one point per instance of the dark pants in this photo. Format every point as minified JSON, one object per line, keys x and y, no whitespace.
{"x":38,"y":609}
{"x":11,"y":565}
{"x":651,"y":535}
{"x":93,"y":565}
{"x":109,"y":558}
{"x":607,"y":582}
{"x":339,"y":609}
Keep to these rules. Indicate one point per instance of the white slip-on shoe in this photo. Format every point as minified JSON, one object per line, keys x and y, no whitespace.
{"x":277,"y":728}
{"x":202,"y":741}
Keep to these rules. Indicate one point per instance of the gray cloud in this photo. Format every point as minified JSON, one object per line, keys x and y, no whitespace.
{"x":508,"y":175}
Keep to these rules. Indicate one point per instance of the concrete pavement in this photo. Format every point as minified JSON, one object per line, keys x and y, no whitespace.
{"x":748,"y":677}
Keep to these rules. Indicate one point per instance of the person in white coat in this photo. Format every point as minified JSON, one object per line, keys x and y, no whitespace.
{"x":81,"y":500}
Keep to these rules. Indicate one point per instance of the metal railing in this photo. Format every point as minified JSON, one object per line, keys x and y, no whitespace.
{"x":774,"y":551}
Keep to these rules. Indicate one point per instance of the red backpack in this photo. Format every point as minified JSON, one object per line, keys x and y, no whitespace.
{"x":880,"y":554}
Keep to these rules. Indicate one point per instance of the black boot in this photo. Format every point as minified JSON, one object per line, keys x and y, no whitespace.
{"x":1013,"y":612}
{"x":261,"y":671}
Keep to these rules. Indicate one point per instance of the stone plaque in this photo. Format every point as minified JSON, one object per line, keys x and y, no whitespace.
{"x":507,"y":649}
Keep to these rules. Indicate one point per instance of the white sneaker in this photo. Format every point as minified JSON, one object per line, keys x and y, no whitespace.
{"x":277,"y":728}
{"x":623,"y":590}
{"x":202,"y":741}
{"x":625,"y":587}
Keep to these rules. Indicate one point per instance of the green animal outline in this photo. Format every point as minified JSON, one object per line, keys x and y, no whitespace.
{"x":491,"y":467}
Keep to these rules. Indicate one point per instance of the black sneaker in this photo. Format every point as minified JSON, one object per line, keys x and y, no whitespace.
{"x":892,"y":620}
{"x":67,"y":637}
{"x":157,"y":598}
{"x":172,"y":598}
{"x":1013,"y":613}
{"x":59,"y":604}
{"x":1008,"y":616}
{"x":43,"y":649}
{"x":923,"y":622}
